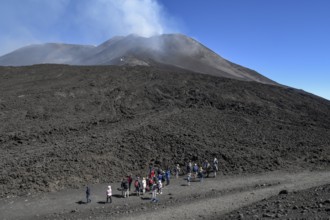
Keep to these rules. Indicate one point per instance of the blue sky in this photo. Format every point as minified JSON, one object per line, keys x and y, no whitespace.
{"x":285,"y":40}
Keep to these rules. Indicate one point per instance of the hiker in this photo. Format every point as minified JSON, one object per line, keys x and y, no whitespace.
{"x":154,"y":189}
{"x":177,"y":171}
{"x":160,"y":177}
{"x":150,"y":168}
{"x":188,"y":179}
{"x":215,"y":166}
{"x":163,"y":176}
{"x":124,"y":188}
{"x":204,"y":164}
{"x":149,"y":184}
{"x":88,"y":193}
{"x":152,"y":181}
{"x":189,"y":167}
{"x":137,"y":186}
{"x":144,"y":185}
{"x":152,"y":173}
{"x":195,"y":170}
{"x":129,"y":180}
{"x":207,"y":168}
{"x":109,"y":194}
{"x":159,"y":171}
{"x":201,"y":174}
{"x":168,"y":176}
{"x":160,"y":187}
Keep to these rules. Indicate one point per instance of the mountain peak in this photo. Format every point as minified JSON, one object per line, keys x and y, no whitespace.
{"x":167,"y":49}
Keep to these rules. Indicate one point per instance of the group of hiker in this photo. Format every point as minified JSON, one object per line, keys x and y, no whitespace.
{"x":157,"y":178}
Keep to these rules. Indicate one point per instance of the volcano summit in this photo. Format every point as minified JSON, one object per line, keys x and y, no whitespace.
{"x":164,"y":50}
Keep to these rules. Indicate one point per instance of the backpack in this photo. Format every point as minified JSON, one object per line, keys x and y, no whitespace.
{"x":137,"y":184}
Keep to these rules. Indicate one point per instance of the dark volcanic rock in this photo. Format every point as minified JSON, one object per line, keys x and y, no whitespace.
{"x":305,"y":205}
{"x":65,"y":126}
{"x":283,"y":192}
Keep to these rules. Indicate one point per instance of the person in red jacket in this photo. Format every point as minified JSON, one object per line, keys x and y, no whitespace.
{"x":152,"y":174}
{"x":129,"y":180}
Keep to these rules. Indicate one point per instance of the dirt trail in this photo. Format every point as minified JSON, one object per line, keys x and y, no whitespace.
{"x":213,"y":197}
{"x":212,"y":207}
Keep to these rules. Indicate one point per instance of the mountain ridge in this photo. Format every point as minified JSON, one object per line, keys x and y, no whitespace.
{"x":168,"y":49}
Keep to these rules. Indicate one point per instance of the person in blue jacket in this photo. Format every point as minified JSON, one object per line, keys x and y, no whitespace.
{"x":168,"y":176}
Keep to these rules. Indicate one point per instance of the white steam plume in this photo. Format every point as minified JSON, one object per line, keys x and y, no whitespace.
{"x":141,"y":17}
{"x":79,"y":22}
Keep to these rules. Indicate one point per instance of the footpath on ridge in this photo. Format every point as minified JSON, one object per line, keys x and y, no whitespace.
{"x":213,"y":197}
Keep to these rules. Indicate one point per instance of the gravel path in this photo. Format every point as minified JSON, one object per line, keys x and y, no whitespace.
{"x":210,"y":199}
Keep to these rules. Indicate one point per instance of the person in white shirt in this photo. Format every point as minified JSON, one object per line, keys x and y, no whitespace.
{"x":109,"y":194}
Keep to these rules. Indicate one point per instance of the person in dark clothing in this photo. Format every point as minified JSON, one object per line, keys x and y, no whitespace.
{"x":124,"y":188}
{"x":88,"y":193}
{"x":168,"y":176}
{"x":137,"y":185}
{"x":160,"y":176}
{"x":207,"y":168}
{"x":150,"y":168}
{"x":195,"y":170}
{"x":154,"y":190}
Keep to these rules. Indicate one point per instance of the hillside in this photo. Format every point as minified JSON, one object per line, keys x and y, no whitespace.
{"x":65,"y":126}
